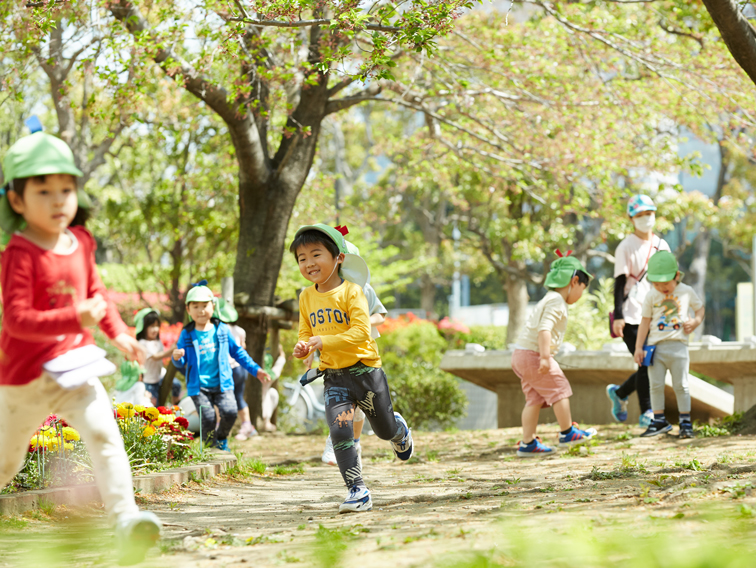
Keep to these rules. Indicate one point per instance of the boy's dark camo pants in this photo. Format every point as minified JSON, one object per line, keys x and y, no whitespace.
{"x":366,"y":387}
{"x":226,"y":403}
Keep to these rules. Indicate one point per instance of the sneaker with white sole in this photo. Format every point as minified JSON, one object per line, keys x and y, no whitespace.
{"x":619,"y":405}
{"x":135,"y":535}
{"x":329,"y":456}
{"x":403,"y":448}
{"x":576,"y":435}
{"x":357,"y":501}
{"x":535,"y":449}
{"x":657,"y":427}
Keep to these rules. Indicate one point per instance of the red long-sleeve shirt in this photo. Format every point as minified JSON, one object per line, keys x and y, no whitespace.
{"x":40,"y":292}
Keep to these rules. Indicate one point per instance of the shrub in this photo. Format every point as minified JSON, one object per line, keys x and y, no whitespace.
{"x":421,"y":392}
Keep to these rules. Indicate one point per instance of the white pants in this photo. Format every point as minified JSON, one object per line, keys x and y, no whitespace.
{"x":269,"y":400}
{"x":87,"y":408}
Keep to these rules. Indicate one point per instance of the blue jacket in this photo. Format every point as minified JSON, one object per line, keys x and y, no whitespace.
{"x":189,"y":363}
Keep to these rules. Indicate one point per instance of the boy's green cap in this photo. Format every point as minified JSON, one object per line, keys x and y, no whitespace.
{"x":38,"y":154}
{"x":562,"y":270}
{"x":354,"y":268}
{"x":200,"y":293}
{"x":139,"y":319}
{"x":226,"y":312}
{"x":662,"y":267}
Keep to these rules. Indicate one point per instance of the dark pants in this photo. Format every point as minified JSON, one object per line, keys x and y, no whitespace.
{"x":226,"y":404}
{"x":367,"y":388}
{"x":240,"y":379}
{"x":154,"y":388}
{"x":638,"y":381}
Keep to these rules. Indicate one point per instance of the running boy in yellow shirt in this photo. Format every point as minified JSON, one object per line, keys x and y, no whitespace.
{"x":334,"y":319}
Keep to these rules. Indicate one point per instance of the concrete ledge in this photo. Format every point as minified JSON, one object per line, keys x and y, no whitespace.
{"x":18,"y":503}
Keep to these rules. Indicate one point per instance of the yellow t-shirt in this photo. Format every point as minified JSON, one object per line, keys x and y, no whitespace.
{"x":341,"y":319}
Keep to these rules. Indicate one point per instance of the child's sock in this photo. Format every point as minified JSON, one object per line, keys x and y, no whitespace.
{"x":356,"y":440}
{"x":565,"y":432}
{"x":685,"y":417}
{"x":659,"y":417}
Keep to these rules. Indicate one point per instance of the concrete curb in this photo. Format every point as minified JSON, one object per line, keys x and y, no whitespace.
{"x":16,"y":504}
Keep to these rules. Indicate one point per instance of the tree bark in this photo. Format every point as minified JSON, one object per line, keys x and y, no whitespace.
{"x":738,"y":34}
{"x":428,"y":296}
{"x":517,"y":300}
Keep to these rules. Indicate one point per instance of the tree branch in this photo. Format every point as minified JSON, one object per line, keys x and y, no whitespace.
{"x":308,"y":24}
{"x":368,"y":94}
{"x":737,"y":33}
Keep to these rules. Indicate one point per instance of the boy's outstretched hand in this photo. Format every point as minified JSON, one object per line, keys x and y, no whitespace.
{"x":130,"y":347}
{"x":178,"y":354}
{"x":639,"y":356}
{"x":263,"y":377}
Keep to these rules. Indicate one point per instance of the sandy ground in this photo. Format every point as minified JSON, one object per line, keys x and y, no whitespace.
{"x":464,"y":499}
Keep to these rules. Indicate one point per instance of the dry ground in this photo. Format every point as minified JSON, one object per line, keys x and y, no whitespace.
{"x":464,"y":500}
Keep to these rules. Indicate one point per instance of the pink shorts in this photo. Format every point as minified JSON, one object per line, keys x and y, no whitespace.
{"x":540,"y":389}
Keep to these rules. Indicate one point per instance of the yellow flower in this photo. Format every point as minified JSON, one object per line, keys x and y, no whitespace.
{"x":126,"y":410}
{"x":148,"y":431}
{"x":139,"y":408}
{"x":48,"y":432}
{"x":70,"y":434}
{"x":151,"y":413}
{"x":52,"y":444}
{"x":165,"y":418}
{"x":68,"y":446}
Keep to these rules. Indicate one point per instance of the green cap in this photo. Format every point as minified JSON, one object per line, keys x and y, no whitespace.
{"x":354,"y":268}
{"x":200,"y":293}
{"x":225,"y":311}
{"x":130,"y":371}
{"x":38,"y":154}
{"x":562,"y":270}
{"x":139,"y":319}
{"x":662,"y":267}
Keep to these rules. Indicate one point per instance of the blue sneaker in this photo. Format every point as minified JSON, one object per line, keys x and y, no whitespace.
{"x":576,"y":435}
{"x":403,"y":448}
{"x":535,"y":449}
{"x":619,"y":405}
{"x":357,"y":501}
{"x":222,"y":445}
{"x":657,"y":427}
{"x":646,"y":419}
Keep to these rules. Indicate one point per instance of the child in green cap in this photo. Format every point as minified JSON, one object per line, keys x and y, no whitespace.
{"x":334,"y":319}
{"x":52,"y":297}
{"x":543,"y":381}
{"x":666,"y":324}
{"x":202,"y":354}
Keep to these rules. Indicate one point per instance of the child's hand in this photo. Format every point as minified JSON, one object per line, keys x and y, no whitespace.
{"x":639,"y":356}
{"x":310,"y":358}
{"x":315,"y":344}
{"x":300,"y":350}
{"x":690,"y":325}
{"x":544,"y":365}
{"x":91,"y":310}
{"x":263,"y":377}
{"x":178,"y":354}
{"x":130,"y":347}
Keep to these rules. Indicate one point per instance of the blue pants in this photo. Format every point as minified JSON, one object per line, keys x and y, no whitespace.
{"x":154,"y":388}
{"x":240,"y":380}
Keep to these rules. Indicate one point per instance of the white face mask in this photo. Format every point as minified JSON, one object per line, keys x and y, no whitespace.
{"x":646,"y":223}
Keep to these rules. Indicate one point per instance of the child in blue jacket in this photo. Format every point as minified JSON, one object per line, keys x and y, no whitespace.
{"x":202,"y":354}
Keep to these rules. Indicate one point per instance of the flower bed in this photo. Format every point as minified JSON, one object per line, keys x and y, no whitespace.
{"x":154,"y":438}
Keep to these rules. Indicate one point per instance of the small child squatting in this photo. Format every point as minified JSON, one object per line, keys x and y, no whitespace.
{"x":333,"y":318}
{"x":543,"y":381}
{"x":668,"y":306}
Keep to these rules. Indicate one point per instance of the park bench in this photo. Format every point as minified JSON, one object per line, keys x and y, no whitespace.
{"x":589,"y":372}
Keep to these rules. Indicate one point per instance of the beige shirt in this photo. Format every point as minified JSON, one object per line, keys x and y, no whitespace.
{"x":631,"y":259}
{"x":549,"y":315}
{"x":153,"y":369}
{"x":669,"y":313}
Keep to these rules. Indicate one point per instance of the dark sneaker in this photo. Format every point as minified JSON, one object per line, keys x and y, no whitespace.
{"x":619,"y":405}
{"x":657,"y":427}
{"x":686,"y":430}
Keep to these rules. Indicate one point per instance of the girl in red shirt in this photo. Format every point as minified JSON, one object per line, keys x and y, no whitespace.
{"x":52,"y":296}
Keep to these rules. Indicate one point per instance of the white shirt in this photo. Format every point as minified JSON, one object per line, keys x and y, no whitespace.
{"x":153,"y":368}
{"x":631,"y":259}
{"x":549,"y":315}
{"x":240,"y":336}
{"x":669,"y":313}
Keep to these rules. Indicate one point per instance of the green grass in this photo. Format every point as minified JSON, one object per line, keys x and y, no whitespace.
{"x":288,"y":469}
{"x":12,"y":523}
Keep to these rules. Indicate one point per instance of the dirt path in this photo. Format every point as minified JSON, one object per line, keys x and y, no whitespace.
{"x":467,"y":501}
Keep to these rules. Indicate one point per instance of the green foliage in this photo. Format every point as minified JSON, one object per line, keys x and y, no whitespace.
{"x":423,"y":394}
{"x":725,"y":426}
{"x":588,"y":320}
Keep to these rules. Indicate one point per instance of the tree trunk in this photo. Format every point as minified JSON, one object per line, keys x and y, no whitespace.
{"x":736,"y":31}
{"x":428,"y":296}
{"x":517,"y":300}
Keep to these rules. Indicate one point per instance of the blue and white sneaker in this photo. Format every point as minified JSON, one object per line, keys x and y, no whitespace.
{"x":403,"y":448}
{"x":657,"y":427}
{"x":646,"y":419}
{"x":535,"y":449}
{"x":619,"y":405}
{"x":135,"y":535}
{"x":357,"y":501}
{"x":222,"y":445}
{"x":576,"y":435}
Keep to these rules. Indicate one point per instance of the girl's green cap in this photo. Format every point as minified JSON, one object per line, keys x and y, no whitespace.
{"x":226,"y":312}
{"x":139,"y":319}
{"x":662,"y":267}
{"x":562,"y":270}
